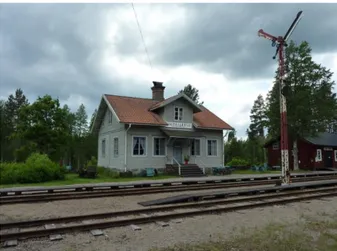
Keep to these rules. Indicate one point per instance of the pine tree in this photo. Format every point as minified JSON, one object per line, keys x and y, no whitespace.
{"x":192,"y":93}
{"x":311,"y":103}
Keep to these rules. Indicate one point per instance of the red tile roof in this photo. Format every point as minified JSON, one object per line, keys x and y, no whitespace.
{"x":137,"y":111}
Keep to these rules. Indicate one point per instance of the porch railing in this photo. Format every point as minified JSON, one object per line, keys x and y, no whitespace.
{"x":202,"y":164}
{"x":179,"y":166}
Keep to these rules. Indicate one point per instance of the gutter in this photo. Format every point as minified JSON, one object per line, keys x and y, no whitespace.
{"x":126,"y":146}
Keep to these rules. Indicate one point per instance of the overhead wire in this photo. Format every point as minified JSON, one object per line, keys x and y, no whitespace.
{"x":142,"y":36}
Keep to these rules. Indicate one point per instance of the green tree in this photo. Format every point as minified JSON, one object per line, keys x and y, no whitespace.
{"x":43,"y":124}
{"x":311,"y":101}
{"x":192,"y":93}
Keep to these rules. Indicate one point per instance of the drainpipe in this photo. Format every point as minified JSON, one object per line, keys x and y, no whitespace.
{"x":126,"y":146}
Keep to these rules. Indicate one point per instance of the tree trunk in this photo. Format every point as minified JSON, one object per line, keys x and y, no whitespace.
{"x":295,"y":155}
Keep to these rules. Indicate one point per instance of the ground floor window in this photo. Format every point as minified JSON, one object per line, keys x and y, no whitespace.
{"x":116,"y":148}
{"x":159,"y":147}
{"x":318,"y":155}
{"x":103,"y":148}
{"x":212,"y":147}
{"x":139,"y":146}
{"x":195,"y":147}
{"x":335,"y":155}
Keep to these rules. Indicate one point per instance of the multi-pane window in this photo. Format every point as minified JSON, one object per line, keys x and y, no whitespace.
{"x":116,"y":148}
{"x":139,"y":146}
{"x":178,"y":113}
{"x":110,"y":117}
{"x":212,"y":148}
{"x":318,"y":155}
{"x":276,"y":146}
{"x":103,"y":148}
{"x":159,"y":147}
{"x":195,"y":147}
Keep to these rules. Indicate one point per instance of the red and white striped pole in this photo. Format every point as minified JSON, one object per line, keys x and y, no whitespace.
{"x":284,"y":125}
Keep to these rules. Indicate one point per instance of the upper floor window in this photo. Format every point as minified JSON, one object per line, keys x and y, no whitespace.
{"x":110,"y":117}
{"x":276,"y":146}
{"x":178,"y":113}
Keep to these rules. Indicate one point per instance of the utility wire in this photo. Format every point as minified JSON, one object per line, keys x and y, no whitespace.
{"x":141,"y":34}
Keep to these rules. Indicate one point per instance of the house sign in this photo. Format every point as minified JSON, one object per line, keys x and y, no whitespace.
{"x":328,"y":149}
{"x":179,"y":125}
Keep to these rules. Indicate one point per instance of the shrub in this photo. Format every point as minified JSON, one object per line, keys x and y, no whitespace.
{"x":92,"y":161}
{"x":238,"y":162}
{"x":37,"y":168}
{"x":107,"y":172}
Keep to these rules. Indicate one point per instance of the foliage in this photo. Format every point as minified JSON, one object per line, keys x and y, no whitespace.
{"x":37,"y":168}
{"x":311,"y":102}
{"x":107,"y":172}
{"x":92,"y":161}
{"x":192,"y":93}
{"x":236,"y":161}
{"x":187,"y":157}
{"x":258,"y":119}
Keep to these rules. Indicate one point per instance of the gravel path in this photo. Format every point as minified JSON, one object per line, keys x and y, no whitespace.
{"x":63,"y":208}
{"x":197,"y":229}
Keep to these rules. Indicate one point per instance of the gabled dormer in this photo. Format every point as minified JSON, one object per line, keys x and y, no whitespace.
{"x":176,"y":110}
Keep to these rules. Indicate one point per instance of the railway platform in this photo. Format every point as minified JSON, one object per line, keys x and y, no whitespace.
{"x":158,"y":183}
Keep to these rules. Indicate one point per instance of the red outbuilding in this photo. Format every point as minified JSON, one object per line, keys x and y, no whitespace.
{"x":313,"y":152}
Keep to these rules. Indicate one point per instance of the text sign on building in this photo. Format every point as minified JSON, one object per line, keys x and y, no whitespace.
{"x":179,"y":125}
{"x":327,"y":149}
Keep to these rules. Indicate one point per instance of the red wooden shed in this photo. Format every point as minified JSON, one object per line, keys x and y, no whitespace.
{"x":313,"y":152}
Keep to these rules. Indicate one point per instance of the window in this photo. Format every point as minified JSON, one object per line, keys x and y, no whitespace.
{"x":336,"y":155}
{"x":276,"y":146}
{"x":116,"y":147}
{"x":139,"y":146}
{"x":178,"y":113}
{"x":318,"y":155}
{"x":103,"y":148}
{"x":212,"y":148}
{"x":159,"y":147}
{"x":110,"y":117}
{"x":195,"y":147}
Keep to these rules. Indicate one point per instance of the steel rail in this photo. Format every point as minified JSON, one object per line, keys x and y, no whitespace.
{"x":149,"y":219}
{"x":52,"y":197}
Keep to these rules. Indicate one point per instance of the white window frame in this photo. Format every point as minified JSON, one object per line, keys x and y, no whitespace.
{"x":109,"y":117}
{"x":146,"y":145}
{"x":276,"y":146}
{"x":154,"y":145}
{"x":103,"y":147}
{"x":116,"y":150}
{"x":318,"y":157}
{"x":217,"y":147}
{"x":335,"y":155}
{"x":181,"y":116}
{"x":196,"y":155}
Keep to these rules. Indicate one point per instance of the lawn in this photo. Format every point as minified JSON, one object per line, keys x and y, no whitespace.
{"x":307,"y":234}
{"x":72,"y":179}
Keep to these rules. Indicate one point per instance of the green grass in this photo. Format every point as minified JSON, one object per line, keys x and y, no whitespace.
{"x":309,"y":235}
{"x":72,"y":179}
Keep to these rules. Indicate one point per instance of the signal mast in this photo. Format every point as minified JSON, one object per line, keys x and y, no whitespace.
{"x":280,"y":42}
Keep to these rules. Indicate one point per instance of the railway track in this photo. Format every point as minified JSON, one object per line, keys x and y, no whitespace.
{"x":35,"y":228}
{"x":43,"y":197}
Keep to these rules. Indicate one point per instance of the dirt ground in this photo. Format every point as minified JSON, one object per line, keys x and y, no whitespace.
{"x":189,"y":231}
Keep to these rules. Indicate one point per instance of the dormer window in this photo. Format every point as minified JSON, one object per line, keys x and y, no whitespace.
{"x":178,"y":113}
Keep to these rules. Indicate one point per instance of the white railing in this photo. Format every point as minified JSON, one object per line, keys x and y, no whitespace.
{"x":179,"y":166}
{"x":202,"y":164}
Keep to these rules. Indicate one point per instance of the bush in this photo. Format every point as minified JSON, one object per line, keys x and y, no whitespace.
{"x":237,"y":162}
{"x":92,"y":161}
{"x":37,"y":168}
{"x":107,"y":172}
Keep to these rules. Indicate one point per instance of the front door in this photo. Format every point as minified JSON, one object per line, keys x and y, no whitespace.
{"x":328,"y":159}
{"x":178,"y":153}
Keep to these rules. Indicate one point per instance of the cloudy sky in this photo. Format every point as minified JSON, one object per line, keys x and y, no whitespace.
{"x":77,"y":52}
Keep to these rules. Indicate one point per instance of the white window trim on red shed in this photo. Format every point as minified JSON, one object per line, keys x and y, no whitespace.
{"x":318,"y":155}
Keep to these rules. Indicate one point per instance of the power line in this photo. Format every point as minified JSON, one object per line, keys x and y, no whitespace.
{"x":141,"y":34}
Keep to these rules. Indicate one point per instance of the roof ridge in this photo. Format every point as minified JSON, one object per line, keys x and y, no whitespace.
{"x":122,"y":96}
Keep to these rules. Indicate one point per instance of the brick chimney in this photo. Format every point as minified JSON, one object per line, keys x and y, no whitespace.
{"x":157,"y":91}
